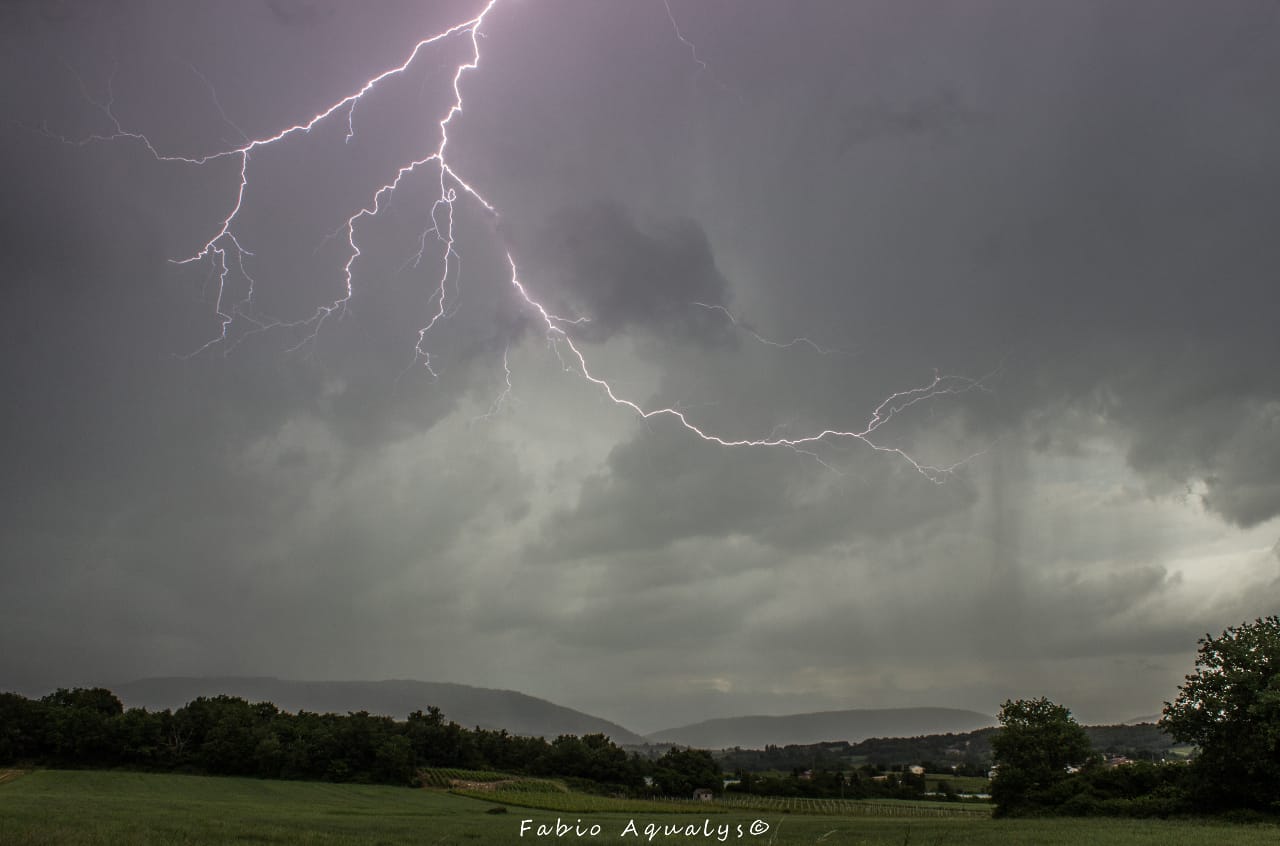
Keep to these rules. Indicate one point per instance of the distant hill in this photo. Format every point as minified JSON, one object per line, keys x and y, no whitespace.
{"x":1141,"y":739}
{"x":967,"y":750}
{"x":518,"y":713}
{"x":799,"y":729}
{"x":1137,"y":721}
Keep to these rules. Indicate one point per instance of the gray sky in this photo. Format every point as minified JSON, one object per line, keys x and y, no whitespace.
{"x":1071,"y":202}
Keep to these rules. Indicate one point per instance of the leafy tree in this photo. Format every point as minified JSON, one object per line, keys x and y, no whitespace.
{"x":21,"y":725}
{"x":1038,"y":742}
{"x":140,"y":736}
{"x":1230,"y":708}
{"x":393,"y":761}
{"x":681,"y":771}
{"x":78,"y":725}
{"x":97,"y":700}
{"x":268,"y":757}
{"x":225,"y":726}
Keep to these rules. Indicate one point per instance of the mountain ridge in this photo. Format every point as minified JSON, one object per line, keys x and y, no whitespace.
{"x":468,"y":705}
{"x":853,"y":725}
{"x":523,"y":714}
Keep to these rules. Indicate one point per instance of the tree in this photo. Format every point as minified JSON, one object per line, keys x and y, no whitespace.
{"x":1230,"y":708}
{"x":21,"y":725}
{"x":78,"y":725}
{"x":99,"y":700}
{"x":393,"y":761}
{"x":1038,"y":742}
{"x":680,"y":771}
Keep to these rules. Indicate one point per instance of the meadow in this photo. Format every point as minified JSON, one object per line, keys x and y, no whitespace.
{"x":85,"y":807}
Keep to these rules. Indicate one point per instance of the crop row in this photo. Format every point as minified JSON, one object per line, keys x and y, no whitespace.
{"x":851,"y":808}
{"x":445,"y":776}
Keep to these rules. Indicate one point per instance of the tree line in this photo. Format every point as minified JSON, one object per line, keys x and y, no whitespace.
{"x":967,"y":754}
{"x":227,"y":735}
{"x":962,"y":754}
{"x":1229,"y":709}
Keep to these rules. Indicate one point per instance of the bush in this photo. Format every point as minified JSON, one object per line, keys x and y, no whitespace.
{"x":1081,"y":805}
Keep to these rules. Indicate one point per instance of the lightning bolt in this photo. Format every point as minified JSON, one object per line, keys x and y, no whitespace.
{"x":888,"y":408}
{"x":693,"y":49}
{"x":782,"y":345}
{"x":503,"y":396}
{"x":226,"y":254}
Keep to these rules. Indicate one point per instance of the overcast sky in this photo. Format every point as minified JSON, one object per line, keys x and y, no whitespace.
{"x":1069,"y":205}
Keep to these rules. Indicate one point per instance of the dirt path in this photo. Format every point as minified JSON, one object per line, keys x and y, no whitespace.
{"x":10,"y":775}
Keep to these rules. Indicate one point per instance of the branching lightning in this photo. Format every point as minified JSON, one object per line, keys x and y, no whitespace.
{"x":782,"y":345}
{"x":226,"y":254}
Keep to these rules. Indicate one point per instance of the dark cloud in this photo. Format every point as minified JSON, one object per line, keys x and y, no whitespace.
{"x":55,"y":12}
{"x":936,"y":117}
{"x":666,"y":486}
{"x":299,"y":12}
{"x":624,"y":276}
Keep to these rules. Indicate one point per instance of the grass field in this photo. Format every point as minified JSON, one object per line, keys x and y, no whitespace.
{"x":580,"y":803}
{"x":85,"y":807}
{"x":960,"y":784}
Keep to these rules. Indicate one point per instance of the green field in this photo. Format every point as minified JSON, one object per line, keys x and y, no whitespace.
{"x":580,"y":803}
{"x":89,"y":807}
{"x":960,"y":784}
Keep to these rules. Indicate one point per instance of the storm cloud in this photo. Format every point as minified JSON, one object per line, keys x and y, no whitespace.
{"x":1070,"y":203}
